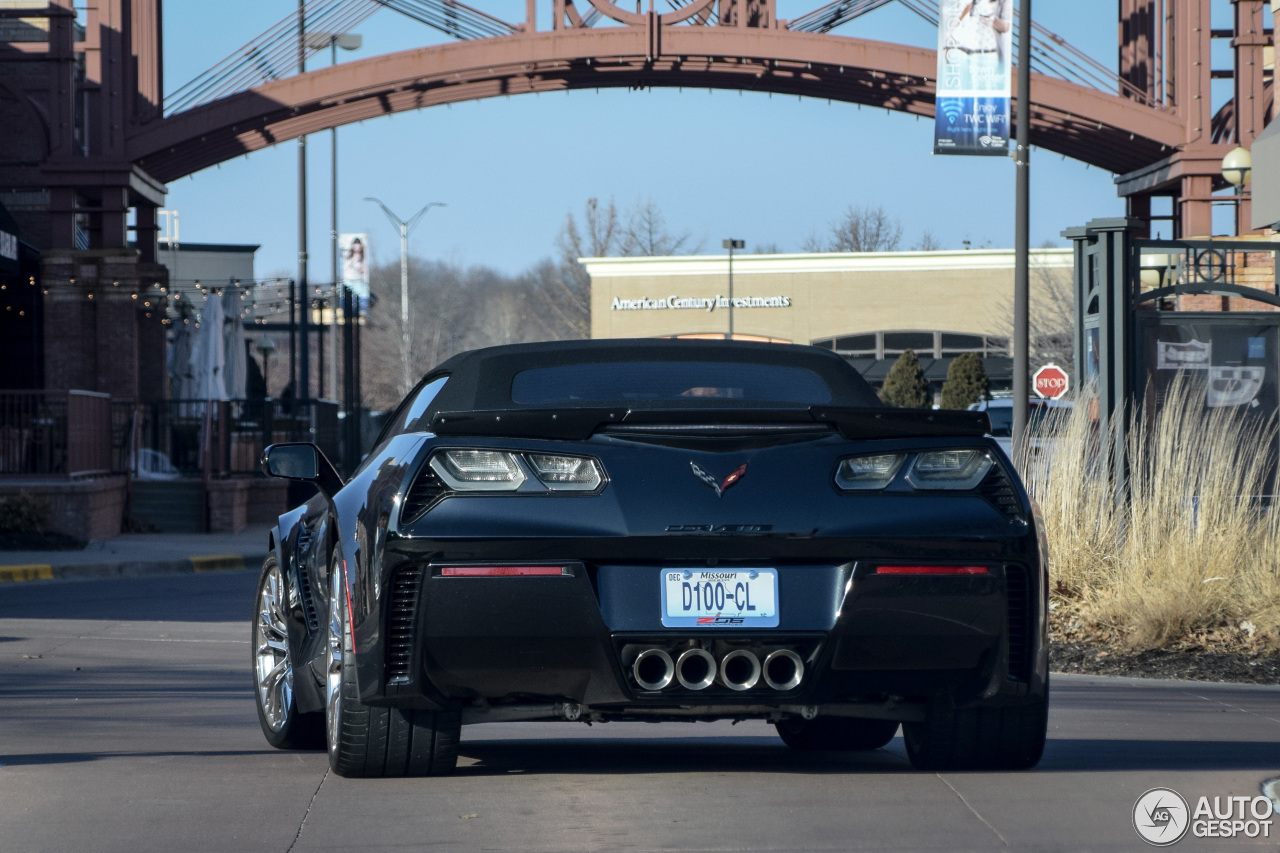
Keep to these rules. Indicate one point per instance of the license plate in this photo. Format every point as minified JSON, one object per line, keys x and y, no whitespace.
{"x":712,"y":598}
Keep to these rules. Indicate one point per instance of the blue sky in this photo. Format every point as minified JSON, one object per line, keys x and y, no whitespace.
{"x":770,"y":170}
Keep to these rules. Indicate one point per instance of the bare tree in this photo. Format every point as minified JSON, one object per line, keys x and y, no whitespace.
{"x":1051,"y":316}
{"x":1053,"y":323}
{"x":866,"y":229}
{"x":602,"y":232}
{"x":646,"y":233}
{"x":451,"y":309}
{"x":814,"y":243}
{"x":859,"y":229}
{"x":564,"y":288}
{"x":928,"y":242}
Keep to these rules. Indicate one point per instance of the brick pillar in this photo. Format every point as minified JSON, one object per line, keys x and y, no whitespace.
{"x":152,"y":378}
{"x":69,"y":355}
{"x":91,"y":322}
{"x":117,"y":324}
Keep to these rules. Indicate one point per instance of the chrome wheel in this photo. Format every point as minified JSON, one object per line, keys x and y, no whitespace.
{"x":333,"y":657}
{"x":273,"y":671}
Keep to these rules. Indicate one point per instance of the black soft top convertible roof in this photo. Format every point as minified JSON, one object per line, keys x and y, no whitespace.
{"x":482,"y":379}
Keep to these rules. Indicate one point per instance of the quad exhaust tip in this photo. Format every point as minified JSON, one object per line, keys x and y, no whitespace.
{"x":696,"y":669}
{"x":653,"y":669}
{"x":783,"y":670}
{"x":740,"y":670}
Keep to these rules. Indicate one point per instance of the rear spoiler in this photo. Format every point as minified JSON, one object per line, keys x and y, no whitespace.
{"x":572,"y":424}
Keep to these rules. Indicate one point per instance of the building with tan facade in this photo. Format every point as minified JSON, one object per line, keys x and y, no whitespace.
{"x":869,"y":306}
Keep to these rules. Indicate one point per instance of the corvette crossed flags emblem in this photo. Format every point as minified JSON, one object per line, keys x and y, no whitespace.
{"x":711,"y":481}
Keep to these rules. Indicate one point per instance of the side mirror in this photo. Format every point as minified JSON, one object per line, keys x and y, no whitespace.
{"x":299,"y":461}
{"x":292,"y":461}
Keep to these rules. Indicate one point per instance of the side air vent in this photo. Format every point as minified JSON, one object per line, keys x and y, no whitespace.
{"x":301,"y":553}
{"x":422,"y":495}
{"x":405,"y":589}
{"x":999,"y":492}
{"x":1019,"y":622}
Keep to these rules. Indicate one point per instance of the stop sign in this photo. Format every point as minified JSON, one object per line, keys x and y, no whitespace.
{"x":1050,"y":382}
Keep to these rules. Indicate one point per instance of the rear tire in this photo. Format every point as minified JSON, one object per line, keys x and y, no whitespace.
{"x":1001,"y":738}
{"x":369,"y":741}
{"x":836,"y":733}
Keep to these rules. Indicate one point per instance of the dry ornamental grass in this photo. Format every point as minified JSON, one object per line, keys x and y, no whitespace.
{"x":1183,"y":554}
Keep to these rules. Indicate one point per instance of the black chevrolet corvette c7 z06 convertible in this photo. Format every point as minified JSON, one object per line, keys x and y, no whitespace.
{"x":656,"y":530}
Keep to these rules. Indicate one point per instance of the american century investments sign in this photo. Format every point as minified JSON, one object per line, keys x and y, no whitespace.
{"x":704,"y":303}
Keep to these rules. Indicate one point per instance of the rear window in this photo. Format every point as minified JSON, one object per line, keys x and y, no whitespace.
{"x":669,"y":381}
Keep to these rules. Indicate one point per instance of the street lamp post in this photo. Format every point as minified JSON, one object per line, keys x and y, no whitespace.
{"x":731,"y":245}
{"x":405,"y":227}
{"x":1022,"y":235}
{"x":302,"y":390}
{"x":346,"y":41}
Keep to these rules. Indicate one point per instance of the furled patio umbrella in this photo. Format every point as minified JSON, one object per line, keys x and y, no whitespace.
{"x":208,"y":358}
{"x":181,"y":379}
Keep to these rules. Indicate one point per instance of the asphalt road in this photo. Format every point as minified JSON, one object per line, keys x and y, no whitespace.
{"x":127,"y":723}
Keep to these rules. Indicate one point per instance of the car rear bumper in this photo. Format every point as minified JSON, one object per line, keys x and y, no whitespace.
{"x":864,"y":639}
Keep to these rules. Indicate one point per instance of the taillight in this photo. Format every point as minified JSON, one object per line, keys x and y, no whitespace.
{"x":961,"y":571}
{"x":479,"y":470}
{"x":868,"y":473}
{"x":476,"y":470}
{"x":565,"y":473}
{"x":503,"y":571}
{"x":957,"y":470}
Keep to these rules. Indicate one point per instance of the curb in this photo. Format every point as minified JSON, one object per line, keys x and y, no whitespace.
{"x":130,"y":569}
{"x":1180,"y":683}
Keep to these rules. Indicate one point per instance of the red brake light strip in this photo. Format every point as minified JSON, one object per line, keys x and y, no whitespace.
{"x":932,"y":570}
{"x":501,"y":571}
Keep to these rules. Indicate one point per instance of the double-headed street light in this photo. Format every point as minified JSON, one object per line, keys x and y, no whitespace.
{"x":405,"y":227}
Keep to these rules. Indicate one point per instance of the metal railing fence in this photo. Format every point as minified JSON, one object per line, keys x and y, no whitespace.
{"x":85,"y":433}
{"x":56,"y":433}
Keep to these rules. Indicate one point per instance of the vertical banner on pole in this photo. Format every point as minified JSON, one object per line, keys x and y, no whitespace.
{"x":353,"y":249}
{"x":975,"y":42}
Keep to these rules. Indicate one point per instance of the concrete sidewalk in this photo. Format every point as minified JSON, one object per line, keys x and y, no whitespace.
{"x":141,"y":554}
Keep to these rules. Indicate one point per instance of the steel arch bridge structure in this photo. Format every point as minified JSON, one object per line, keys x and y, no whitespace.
{"x":100,"y":137}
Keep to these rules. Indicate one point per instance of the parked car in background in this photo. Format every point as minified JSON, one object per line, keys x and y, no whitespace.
{"x":153,"y":465}
{"x":1000,"y":411}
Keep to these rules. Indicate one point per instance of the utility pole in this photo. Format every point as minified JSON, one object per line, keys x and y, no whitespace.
{"x":346,"y":41}
{"x":405,"y":227}
{"x":1022,"y":237}
{"x":731,"y":245}
{"x":303,"y":390}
